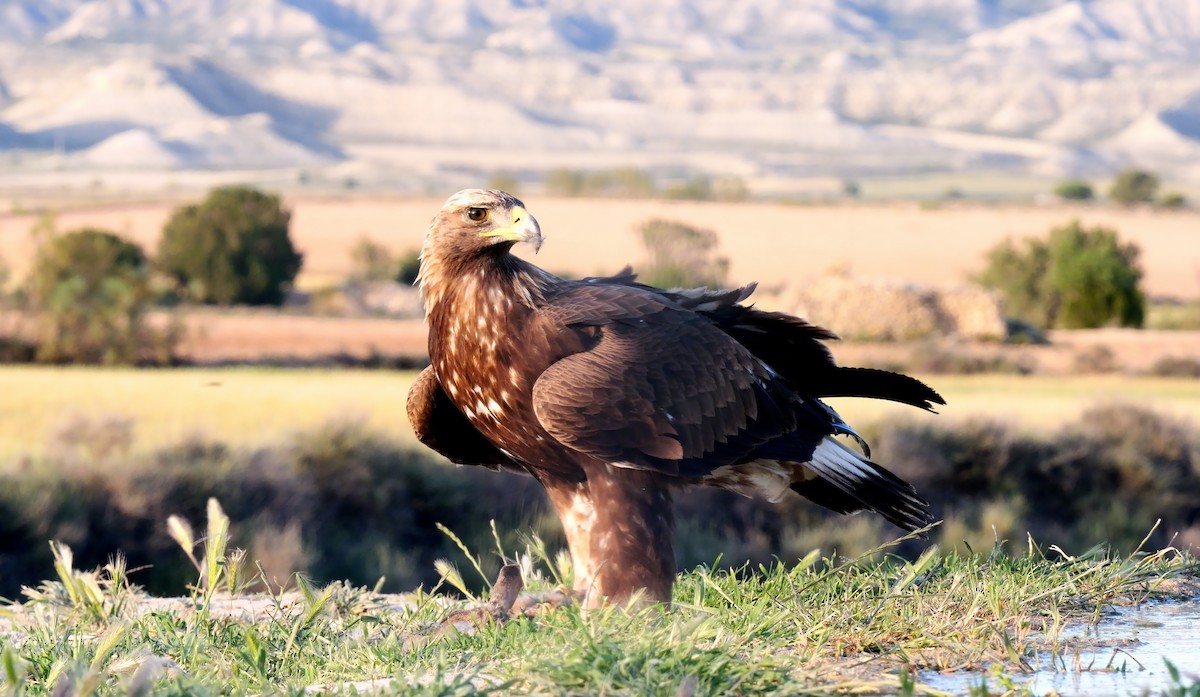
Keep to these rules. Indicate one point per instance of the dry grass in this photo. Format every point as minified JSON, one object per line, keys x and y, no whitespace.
{"x":166,"y":406}
{"x":771,"y":243}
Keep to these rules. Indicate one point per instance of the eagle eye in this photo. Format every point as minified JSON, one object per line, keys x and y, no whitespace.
{"x":477,"y":215}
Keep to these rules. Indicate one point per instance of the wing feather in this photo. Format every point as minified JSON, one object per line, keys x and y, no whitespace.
{"x":661,"y":385}
{"x":441,"y":426}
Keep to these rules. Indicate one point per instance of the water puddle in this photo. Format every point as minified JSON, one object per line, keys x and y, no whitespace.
{"x":1123,"y":655}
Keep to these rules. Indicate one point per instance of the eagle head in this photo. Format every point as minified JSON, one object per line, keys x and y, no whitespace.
{"x":475,"y":221}
{"x":474,"y":225}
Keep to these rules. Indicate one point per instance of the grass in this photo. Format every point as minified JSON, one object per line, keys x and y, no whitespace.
{"x":257,"y":405}
{"x":164,"y":407}
{"x":867,"y":625}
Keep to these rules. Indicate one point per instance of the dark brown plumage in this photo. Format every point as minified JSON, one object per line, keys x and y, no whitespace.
{"x":611,"y":393}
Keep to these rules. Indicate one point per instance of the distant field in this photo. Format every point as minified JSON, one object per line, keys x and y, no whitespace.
{"x":770,"y":243}
{"x":254,"y":406}
{"x":237,"y":405}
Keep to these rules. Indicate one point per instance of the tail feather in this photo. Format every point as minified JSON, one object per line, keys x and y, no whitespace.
{"x":861,"y":484}
{"x":877,"y":384}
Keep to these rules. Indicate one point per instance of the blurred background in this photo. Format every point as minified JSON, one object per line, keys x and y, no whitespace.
{"x":210,"y":214}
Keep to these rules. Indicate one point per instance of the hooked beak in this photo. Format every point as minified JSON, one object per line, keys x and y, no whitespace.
{"x":522,"y":228}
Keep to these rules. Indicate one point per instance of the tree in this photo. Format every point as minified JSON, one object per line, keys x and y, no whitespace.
{"x":234,"y":247}
{"x":679,"y":255}
{"x":1094,"y":278}
{"x":1018,"y":273}
{"x":1134,"y":186}
{"x":1074,"y":190}
{"x":90,"y":290}
{"x":1075,"y":278}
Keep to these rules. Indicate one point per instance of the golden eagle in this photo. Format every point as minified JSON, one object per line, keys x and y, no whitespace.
{"x":612,"y":393}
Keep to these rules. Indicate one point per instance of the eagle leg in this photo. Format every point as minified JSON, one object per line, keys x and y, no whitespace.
{"x":619,"y":525}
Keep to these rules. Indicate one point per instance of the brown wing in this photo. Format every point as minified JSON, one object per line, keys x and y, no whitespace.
{"x":660,"y":386}
{"x":441,"y":426}
{"x":792,"y":347}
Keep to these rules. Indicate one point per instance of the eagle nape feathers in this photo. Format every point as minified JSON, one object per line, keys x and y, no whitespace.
{"x":612,"y":393}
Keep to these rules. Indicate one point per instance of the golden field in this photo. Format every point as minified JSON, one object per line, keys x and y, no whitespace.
{"x":770,"y":243}
{"x":258,"y":406}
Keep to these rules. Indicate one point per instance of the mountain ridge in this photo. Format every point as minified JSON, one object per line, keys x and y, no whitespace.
{"x":767,"y":88}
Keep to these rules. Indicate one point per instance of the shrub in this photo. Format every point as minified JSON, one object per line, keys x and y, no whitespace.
{"x":564,"y":182}
{"x":680,"y":255}
{"x":1104,"y":478}
{"x":936,"y":359}
{"x":1097,"y":358}
{"x":1176,"y":367}
{"x":371,"y":261}
{"x":622,"y":182}
{"x":694,"y":189}
{"x":702,"y":188}
{"x":1134,"y":186}
{"x":90,"y":291}
{"x":1074,"y":190}
{"x":504,"y":181}
{"x":5,"y":277}
{"x":408,"y":266}
{"x":1173,"y":199}
{"x":347,"y":504}
{"x":1077,"y":278}
{"x":233,"y":248}
{"x":339,"y":503}
{"x":1173,"y":315}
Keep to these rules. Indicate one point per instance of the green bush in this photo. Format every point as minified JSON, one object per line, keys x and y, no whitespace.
{"x":233,"y":248}
{"x":1076,"y":278}
{"x":1134,"y":186}
{"x":408,"y":266}
{"x":1074,"y":190}
{"x":679,"y":255}
{"x":90,"y":291}
{"x":1172,"y":199}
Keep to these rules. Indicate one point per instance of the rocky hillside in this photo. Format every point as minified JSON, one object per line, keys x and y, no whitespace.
{"x":421,"y":90}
